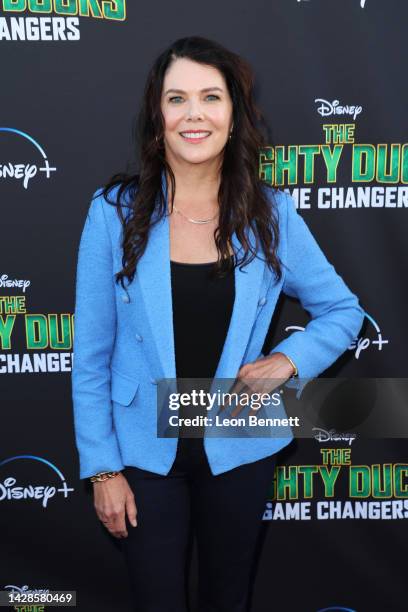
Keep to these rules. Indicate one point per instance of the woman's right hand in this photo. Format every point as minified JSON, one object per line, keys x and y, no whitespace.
{"x":113,"y":498}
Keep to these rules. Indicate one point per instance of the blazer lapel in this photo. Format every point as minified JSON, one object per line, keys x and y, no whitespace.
{"x":154,"y":274}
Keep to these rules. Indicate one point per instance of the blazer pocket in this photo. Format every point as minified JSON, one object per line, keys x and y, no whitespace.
{"x":123,"y":388}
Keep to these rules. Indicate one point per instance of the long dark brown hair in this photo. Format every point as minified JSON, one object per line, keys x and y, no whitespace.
{"x":242,"y":196}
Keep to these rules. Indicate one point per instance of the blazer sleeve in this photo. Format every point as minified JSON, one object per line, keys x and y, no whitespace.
{"x":336,"y":315}
{"x":94,"y":336}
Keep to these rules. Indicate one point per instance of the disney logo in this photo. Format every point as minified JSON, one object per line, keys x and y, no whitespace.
{"x":7,"y":491}
{"x":327,"y":108}
{"x":25,"y":171}
{"x":361,"y":344}
{"x":6,"y":282}
{"x":24,"y":589}
{"x":332,"y":436}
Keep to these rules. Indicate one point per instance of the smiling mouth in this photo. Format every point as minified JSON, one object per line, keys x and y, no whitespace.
{"x":195,"y":136}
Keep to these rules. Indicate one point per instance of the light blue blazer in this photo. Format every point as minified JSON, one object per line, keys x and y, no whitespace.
{"x":123,"y":340}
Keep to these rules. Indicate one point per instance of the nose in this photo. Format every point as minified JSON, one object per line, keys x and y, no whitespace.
{"x":194,"y":110}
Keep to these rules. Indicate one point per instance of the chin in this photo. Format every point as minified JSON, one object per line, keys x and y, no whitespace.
{"x":196,"y":159}
{"x":195,"y":162}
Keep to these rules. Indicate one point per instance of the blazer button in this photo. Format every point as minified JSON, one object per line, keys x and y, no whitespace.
{"x":125,"y":298}
{"x":139,"y":338}
{"x":153,"y":381}
{"x":262,"y":301}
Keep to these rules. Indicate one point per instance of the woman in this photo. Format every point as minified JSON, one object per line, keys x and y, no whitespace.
{"x":178,"y":275}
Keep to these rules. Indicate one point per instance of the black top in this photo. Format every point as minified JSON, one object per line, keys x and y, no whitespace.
{"x":202,"y":308}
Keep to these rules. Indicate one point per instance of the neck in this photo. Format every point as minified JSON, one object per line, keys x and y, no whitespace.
{"x":197,"y":185}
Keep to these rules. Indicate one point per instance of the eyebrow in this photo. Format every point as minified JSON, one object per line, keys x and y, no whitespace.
{"x":203,"y":90}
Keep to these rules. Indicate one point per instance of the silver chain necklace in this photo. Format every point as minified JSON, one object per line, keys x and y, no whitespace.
{"x":198,"y":221}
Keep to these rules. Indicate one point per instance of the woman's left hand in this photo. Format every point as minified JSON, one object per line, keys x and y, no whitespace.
{"x":261,"y":376}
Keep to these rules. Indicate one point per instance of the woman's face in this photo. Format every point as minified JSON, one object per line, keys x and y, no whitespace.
{"x":197,"y":111}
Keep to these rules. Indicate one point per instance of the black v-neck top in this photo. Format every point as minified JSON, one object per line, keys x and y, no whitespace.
{"x":202,"y":309}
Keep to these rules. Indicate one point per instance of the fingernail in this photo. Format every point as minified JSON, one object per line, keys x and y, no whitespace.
{"x":134,"y":523}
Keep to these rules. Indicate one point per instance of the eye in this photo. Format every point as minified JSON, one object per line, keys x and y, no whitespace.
{"x":174,"y":98}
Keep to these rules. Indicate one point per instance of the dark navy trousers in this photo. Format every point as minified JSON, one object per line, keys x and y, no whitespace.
{"x":223,"y":512}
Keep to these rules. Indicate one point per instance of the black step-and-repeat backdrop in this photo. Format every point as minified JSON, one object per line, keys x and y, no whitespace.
{"x":331,"y":82}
